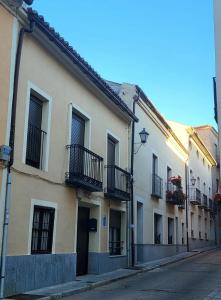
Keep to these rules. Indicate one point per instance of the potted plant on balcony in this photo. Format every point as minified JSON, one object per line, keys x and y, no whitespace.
{"x":176,"y":180}
{"x":217,"y":198}
{"x":179,"y":197}
{"x":169,"y":195}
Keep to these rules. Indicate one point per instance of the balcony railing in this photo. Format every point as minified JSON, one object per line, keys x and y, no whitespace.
{"x":35,"y":146}
{"x":116,"y":247}
{"x":204,"y":203}
{"x":118,"y":183}
{"x":157,"y":183}
{"x":194,"y":196}
{"x":85,"y":168}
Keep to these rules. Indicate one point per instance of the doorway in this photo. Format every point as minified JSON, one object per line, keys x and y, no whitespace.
{"x":82,"y":240}
{"x":139,"y":223}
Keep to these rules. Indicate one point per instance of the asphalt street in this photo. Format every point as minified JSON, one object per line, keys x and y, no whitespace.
{"x":192,"y":278}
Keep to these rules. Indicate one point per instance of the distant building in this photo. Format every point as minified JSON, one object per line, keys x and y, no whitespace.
{"x":173,"y":150}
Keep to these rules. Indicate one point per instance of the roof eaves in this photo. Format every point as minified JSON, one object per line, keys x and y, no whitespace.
{"x":79,"y":61}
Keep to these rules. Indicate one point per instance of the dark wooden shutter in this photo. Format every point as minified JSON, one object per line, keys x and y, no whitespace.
{"x":77,"y":130}
{"x":35,"y":134}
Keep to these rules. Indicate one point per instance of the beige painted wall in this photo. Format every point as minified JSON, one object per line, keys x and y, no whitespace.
{"x":169,"y":153}
{"x":200,"y":169}
{"x":43,"y":71}
{"x":8,"y":38}
{"x":6,"y":31}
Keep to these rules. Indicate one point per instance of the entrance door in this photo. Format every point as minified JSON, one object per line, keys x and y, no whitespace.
{"x":82,"y":240}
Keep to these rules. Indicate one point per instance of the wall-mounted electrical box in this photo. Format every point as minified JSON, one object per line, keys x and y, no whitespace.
{"x":5,"y":152}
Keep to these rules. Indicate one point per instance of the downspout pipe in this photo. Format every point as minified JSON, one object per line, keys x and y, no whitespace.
{"x":23,"y":30}
{"x":187,"y":203}
{"x":135,"y":100}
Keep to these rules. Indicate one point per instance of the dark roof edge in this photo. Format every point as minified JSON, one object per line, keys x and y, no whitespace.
{"x":79,"y":61}
{"x":160,"y":117}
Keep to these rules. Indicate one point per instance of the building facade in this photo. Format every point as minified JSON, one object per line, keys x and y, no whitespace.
{"x":159,"y":217}
{"x":199,"y":170}
{"x":163,"y":226}
{"x":70,"y":211}
{"x":70,"y":177}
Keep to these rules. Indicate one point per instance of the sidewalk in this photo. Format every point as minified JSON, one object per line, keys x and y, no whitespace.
{"x":90,"y":281}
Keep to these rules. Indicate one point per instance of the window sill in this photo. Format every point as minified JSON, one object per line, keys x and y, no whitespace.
{"x":118,"y":255}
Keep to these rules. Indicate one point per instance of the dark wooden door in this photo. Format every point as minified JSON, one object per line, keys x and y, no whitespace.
{"x":77,"y":140}
{"x":34,"y":138}
{"x":82,"y":240}
{"x":77,"y":130}
{"x":111,"y":149}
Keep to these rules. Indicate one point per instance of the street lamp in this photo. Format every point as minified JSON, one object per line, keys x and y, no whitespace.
{"x":143,"y":136}
{"x":143,"y":139}
{"x":193,"y":180}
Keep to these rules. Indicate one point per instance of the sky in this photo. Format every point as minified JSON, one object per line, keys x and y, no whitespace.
{"x":164,"y":46}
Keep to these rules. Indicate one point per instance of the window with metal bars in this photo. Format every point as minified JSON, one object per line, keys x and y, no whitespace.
{"x":36,"y":136}
{"x":42,"y":230}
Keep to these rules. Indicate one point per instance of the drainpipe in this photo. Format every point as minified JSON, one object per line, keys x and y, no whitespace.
{"x":136,"y":98}
{"x":11,"y":144}
{"x":187,"y":203}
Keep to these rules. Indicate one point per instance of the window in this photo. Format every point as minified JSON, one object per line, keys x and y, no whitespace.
{"x":36,"y":136}
{"x":111,"y":151}
{"x":183,"y":234}
{"x":192,"y":224}
{"x":199,"y":225}
{"x":155,"y":165}
{"x":203,"y":161}
{"x":169,"y":175}
{"x":170,"y":230}
{"x":156,"y":180}
{"x":197,"y":153}
{"x":115,"y":241}
{"x":157,"y":229}
{"x":42,"y":230}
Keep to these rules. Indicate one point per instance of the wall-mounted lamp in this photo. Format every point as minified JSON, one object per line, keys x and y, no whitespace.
{"x":143,"y":138}
{"x":193,"y":180}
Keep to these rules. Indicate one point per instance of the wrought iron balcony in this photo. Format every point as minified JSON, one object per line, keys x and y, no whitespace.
{"x":211,"y":207}
{"x":194,"y":196}
{"x":157,"y":184}
{"x":204,"y":203}
{"x":35,"y":146}
{"x":85,"y":169}
{"x":118,"y":183}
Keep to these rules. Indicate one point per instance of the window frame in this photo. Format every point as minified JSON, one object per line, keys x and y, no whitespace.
{"x":50,"y":230}
{"x":46,"y":204}
{"x":46,"y":123}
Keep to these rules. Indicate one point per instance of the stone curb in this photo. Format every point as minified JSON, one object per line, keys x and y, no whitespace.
{"x":91,"y":286}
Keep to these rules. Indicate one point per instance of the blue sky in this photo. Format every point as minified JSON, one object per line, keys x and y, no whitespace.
{"x":164,"y":46}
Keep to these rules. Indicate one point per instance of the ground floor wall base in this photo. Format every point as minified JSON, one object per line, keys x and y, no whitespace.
{"x":99,"y":263}
{"x":197,"y":244}
{"x":29,"y":272}
{"x":149,"y":252}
